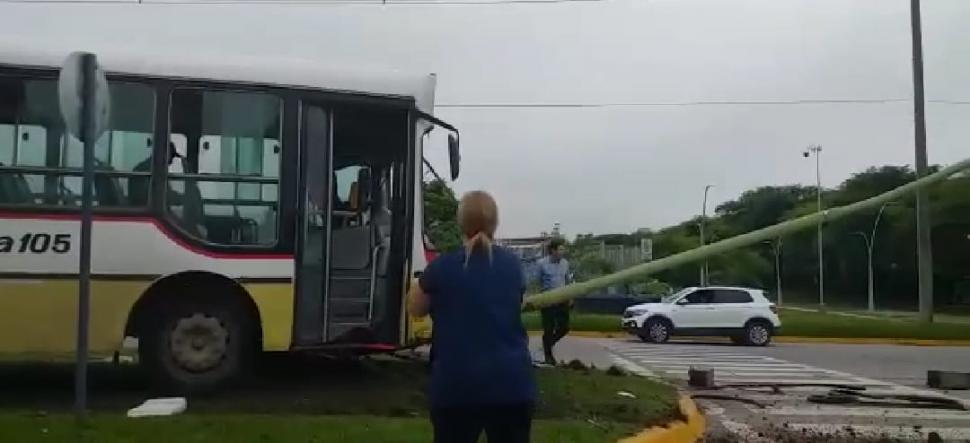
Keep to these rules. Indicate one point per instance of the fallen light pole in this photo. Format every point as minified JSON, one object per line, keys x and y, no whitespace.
{"x":575,"y":290}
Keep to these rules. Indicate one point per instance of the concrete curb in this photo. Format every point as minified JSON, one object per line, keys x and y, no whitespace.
{"x":677,"y":431}
{"x":791,"y":339}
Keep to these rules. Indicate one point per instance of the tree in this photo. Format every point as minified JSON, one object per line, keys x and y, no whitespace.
{"x":762,"y":207}
{"x":894,"y":258}
{"x":440,"y":207}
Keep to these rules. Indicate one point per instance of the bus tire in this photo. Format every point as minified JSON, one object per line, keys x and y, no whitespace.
{"x":198,"y":344}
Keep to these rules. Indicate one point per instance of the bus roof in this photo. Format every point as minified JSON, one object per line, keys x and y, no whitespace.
{"x":291,"y":72}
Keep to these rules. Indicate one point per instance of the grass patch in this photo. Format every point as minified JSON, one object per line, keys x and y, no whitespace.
{"x":817,"y":324}
{"x":577,"y":322}
{"x":802,"y":324}
{"x":23,"y":428}
{"x":307,"y":400}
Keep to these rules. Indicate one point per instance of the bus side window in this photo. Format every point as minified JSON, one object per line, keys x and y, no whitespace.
{"x":233,"y":137}
{"x":33,"y":140}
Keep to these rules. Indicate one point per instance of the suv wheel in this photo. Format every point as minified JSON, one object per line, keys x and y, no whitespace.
{"x":757,"y":333}
{"x":656,"y":330}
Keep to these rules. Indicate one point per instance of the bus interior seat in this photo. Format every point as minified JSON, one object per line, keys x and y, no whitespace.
{"x":266,"y":230}
{"x":352,"y":245}
{"x":353,"y":198}
{"x":14,"y":188}
{"x":193,"y":211}
{"x":108,"y":191}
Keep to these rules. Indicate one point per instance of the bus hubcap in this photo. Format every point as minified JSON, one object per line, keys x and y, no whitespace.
{"x":199,"y":342}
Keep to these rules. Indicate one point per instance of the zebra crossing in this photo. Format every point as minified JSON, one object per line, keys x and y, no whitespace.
{"x":672,"y":361}
{"x":789,"y":413}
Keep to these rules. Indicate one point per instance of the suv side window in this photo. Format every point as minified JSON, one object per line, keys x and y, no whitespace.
{"x":700,"y":297}
{"x":732,"y":296}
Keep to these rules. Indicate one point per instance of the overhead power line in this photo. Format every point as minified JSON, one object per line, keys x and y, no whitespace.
{"x":310,"y":2}
{"x":950,"y":102}
{"x":790,"y":102}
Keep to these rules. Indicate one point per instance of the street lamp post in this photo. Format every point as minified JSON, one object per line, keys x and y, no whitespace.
{"x":870,"y":246}
{"x":703,"y":270}
{"x":817,"y":151}
{"x":776,"y":248}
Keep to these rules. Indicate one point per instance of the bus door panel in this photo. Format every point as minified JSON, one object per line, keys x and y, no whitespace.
{"x":312,"y":229}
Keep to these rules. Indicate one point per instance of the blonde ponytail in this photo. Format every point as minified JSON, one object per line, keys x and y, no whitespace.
{"x":478,"y":219}
{"x":478,"y":242}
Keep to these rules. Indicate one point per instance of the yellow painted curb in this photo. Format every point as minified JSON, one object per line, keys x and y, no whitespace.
{"x":790,"y":339}
{"x":872,"y":341}
{"x":677,"y":431}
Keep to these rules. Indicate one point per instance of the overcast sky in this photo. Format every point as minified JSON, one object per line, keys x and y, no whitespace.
{"x":609,"y":169}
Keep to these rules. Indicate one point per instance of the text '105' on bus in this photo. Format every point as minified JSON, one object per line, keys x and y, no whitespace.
{"x":241,"y":206}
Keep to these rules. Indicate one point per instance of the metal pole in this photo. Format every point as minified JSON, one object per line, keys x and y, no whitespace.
{"x":924,"y":252}
{"x":778,"y":268}
{"x":868,"y":243}
{"x":872,"y":296}
{"x":88,"y":120}
{"x":776,"y":250}
{"x":701,"y":228}
{"x":821,"y":260}
{"x":703,"y":219}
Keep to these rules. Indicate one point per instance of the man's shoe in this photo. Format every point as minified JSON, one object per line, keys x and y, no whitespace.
{"x":550,"y":360}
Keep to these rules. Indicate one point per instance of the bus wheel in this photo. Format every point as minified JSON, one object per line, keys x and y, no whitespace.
{"x":197,"y":347}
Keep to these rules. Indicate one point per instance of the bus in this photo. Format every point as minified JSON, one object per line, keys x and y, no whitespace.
{"x":241,"y":205}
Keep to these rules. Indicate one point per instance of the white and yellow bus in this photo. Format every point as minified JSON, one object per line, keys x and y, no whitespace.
{"x":241,"y":206}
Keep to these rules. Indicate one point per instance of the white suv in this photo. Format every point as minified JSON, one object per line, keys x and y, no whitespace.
{"x":743,"y":314}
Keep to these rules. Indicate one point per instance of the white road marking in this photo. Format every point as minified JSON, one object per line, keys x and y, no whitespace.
{"x":770,"y":373}
{"x":868,"y":411}
{"x":743,"y":366}
{"x":762,"y":379}
{"x":733,"y":367}
{"x":734,"y":370}
{"x":681,"y":354}
{"x":706,"y":361}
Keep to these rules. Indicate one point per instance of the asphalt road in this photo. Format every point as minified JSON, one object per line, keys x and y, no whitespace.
{"x":903,"y":365}
{"x":788,"y":415}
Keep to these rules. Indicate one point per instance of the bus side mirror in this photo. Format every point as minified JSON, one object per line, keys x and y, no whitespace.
{"x":454,"y":156}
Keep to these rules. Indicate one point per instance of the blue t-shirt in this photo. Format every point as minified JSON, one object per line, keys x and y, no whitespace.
{"x":481,"y":353}
{"x":552,"y":275}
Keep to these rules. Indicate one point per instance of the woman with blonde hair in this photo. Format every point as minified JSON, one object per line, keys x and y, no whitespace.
{"x":481,"y":374}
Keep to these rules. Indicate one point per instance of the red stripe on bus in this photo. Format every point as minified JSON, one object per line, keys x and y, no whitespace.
{"x":149,"y":220}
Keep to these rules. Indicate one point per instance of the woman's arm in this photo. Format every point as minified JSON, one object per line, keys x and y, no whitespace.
{"x":419,"y":304}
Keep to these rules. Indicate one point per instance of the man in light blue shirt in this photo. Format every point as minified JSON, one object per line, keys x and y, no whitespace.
{"x":553,"y":272}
